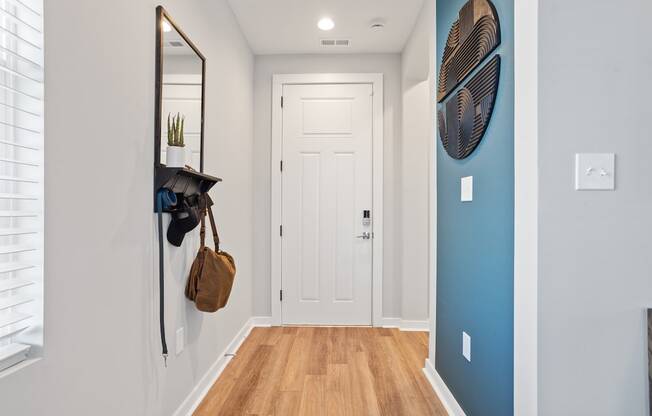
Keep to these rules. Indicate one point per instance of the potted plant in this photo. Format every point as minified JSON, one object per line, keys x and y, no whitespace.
{"x":176,"y":151}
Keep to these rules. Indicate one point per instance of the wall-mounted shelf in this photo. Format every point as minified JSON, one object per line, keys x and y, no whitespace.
{"x":184,"y":181}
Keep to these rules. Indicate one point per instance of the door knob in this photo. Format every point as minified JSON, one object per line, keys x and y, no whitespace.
{"x":365,"y":235}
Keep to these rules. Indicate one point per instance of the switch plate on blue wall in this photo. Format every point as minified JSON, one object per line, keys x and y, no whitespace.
{"x":466,"y":192}
{"x":466,"y":346}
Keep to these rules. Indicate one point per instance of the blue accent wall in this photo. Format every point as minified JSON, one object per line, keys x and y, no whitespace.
{"x":475,"y":246}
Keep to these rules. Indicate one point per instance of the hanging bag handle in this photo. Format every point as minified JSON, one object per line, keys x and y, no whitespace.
{"x":207,"y":204}
{"x":202,"y":222}
{"x":216,"y":237}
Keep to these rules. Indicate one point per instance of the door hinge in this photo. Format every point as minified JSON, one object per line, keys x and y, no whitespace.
{"x":281,"y":101}
{"x":281,"y":230}
{"x":281,"y":294}
{"x":281,"y":166}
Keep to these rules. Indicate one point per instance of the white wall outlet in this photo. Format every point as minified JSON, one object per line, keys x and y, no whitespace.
{"x":466,"y":194}
{"x":595,"y":172}
{"x":181,"y":340}
{"x":466,"y":346}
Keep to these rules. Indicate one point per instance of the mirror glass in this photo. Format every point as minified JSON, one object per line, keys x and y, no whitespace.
{"x":181,"y":99}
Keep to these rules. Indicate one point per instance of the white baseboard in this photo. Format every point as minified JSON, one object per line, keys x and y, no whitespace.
{"x":197,"y":394}
{"x":261,"y":321}
{"x":391,"y":323}
{"x":423,"y":326}
{"x":405,"y":325}
{"x":445,"y":396}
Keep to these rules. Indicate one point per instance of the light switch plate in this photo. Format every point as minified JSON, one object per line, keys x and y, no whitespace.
{"x":595,"y":172}
{"x":181,"y":338}
{"x":466,"y":346}
{"x":466,"y":193}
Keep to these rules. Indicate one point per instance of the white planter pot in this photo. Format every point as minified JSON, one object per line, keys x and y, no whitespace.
{"x":176,"y":157}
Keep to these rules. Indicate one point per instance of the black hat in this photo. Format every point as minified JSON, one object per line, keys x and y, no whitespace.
{"x":183,"y":221}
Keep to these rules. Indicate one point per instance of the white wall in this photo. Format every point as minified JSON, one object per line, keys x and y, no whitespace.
{"x":102,"y":354}
{"x":526,"y":196}
{"x":417,"y":65}
{"x":265,"y":67}
{"x":595,"y":262}
{"x":182,"y":64}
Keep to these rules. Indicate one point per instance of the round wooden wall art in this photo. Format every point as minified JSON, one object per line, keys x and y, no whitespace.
{"x":465,"y":106}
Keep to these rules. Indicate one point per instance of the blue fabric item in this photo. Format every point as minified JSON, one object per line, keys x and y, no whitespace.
{"x":165,"y":198}
{"x":475,"y":245}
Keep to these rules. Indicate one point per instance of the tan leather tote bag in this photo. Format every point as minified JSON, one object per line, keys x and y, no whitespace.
{"x":213,"y":272}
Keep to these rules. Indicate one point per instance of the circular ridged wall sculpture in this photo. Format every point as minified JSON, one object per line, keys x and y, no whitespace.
{"x":465,"y":107}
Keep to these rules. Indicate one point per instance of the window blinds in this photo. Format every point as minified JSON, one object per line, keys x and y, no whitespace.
{"x":21,"y":180}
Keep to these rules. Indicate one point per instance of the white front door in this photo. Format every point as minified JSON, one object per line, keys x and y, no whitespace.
{"x":327,"y":187}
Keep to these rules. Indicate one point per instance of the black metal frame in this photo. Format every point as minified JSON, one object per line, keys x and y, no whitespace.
{"x":184,"y":182}
{"x":161,"y":13}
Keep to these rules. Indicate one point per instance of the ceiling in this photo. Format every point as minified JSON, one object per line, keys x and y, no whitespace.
{"x":290,"y":26}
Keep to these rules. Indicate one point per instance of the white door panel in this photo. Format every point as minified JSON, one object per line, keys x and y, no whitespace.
{"x":327,"y":184}
{"x":327,"y":117}
{"x":344,"y":227}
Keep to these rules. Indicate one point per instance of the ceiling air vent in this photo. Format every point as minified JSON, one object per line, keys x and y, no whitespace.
{"x":337,"y":43}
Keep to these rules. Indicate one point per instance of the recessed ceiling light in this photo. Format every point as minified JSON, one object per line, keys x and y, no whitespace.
{"x":326,"y":24}
{"x":167,"y":27}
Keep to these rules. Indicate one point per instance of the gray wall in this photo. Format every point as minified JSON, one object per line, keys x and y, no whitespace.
{"x":416,"y":84}
{"x":102,"y":354}
{"x":182,"y":64}
{"x":595,"y":251}
{"x":266,"y":66}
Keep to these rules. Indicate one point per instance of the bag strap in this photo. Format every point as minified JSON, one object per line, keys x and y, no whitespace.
{"x":207,"y":203}
{"x":202,"y":228}
{"x":216,"y":237}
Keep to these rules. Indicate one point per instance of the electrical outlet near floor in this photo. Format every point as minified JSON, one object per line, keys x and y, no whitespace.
{"x":180,"y":340}
{"x":466,"y":346}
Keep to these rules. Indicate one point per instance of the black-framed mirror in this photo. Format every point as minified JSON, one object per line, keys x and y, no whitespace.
{"x":180,"y":97}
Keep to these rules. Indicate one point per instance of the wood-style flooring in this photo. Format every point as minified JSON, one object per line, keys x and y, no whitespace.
{"x":325,"y":371}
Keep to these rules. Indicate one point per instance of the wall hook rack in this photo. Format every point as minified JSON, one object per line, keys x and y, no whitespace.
{"x":182,"y":181}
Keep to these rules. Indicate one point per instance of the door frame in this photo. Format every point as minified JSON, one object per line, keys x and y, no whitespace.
{"x":376,"y":81}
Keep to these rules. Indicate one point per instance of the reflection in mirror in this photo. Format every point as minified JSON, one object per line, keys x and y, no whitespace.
{"x":181,"y":106}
